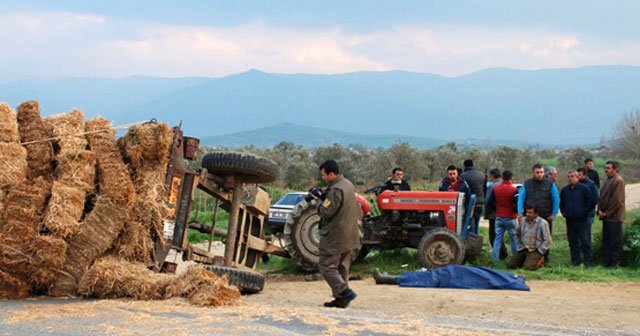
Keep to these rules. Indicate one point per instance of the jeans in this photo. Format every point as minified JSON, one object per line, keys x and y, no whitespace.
{"x":504,"y":224}
{"x":475,"y":219}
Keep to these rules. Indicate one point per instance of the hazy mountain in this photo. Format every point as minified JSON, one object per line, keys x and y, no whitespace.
{"x":555,"y":106}
{"x":315,"y":136}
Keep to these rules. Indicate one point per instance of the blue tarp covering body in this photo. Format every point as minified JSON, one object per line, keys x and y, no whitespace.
{"x":457,"y":276}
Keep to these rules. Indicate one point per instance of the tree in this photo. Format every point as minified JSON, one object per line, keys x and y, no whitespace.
{"x":626,"y":139}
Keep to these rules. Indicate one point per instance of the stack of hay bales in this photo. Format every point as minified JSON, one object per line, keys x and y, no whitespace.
{"x":146,"y":148}
{"x":79,"y":213}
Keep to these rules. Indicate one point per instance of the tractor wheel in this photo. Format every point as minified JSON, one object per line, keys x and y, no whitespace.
{"x":253,"y":168}
{"x":246,"y":281}
{"x":440,"y":247}
{"x":302,"y":235}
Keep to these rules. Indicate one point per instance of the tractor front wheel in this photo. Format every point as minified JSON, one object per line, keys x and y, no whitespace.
{"x":440,"y":247}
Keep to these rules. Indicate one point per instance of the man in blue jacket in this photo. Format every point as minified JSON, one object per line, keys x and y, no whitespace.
{"x":575,"y":203}
{"x":541,"y":193}
{"x":453,"y":182}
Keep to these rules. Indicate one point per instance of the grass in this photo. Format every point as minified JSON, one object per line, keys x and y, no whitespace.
{"x":403,"y":260}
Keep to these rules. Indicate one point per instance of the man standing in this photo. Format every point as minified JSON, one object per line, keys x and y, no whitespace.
{"x":551,"y":173}
{"x":502,"y":198}
{"x":477,"y":182}
{"x":453,"y":182}
{"x":339,"y":233}
{"x":575,"y":202}
{"x":591,"y":173}
{"x":611,"y":210}
{"x":533,"y":239}
{"x":490,"y":210}
{"x":397,"y":174}
{"x":541,"y":193}
{"x":595,"y":195}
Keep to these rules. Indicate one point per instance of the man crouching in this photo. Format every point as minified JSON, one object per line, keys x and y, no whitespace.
{"x":533,"y":240}
{"x":339,"y":233}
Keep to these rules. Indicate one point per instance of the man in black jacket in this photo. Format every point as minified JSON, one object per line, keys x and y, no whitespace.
{"x":397,"y":174}
{"x":576,"y":200}
{"x":591,"y":173}
{"x":477,"y":183}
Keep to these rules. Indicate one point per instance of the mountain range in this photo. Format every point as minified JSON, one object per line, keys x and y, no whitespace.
{"x":569,"y":106}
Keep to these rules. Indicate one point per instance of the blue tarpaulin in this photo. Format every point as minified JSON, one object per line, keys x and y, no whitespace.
{"x":457,"y":276}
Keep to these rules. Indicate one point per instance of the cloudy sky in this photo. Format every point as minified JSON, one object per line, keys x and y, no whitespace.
{"x":42,"y":39}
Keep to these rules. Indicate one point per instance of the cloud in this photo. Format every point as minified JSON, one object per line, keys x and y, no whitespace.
{"x":78,"y":44}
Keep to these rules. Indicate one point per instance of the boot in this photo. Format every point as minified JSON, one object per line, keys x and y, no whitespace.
{"x":384,"y":278}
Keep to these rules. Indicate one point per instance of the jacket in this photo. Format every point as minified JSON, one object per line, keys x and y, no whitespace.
{"x":490,"y":210}
{"x":612,"y":199}
{"x":463,"y":187}
{"x":595,"y":195}
{"x":593,"y":176}
{"x":503,"y":199}
{"x":533,"y":235}
{"x":477,"y":182}
{"x":340,"y":213}
{"x":575,"y":201}
{"x":541,"y":194}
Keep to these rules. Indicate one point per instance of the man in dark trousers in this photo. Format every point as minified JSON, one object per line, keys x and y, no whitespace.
{"x":541,"y":193}
{"x":595,"y":195}
{"x":591,"y":173}
{"x":490,"y":210}
{"x":397,"y":174}
{"x":611,"y":210}
{"x":339,"y":233}
{"x":477,"y":182}
{"x":576,"y":201}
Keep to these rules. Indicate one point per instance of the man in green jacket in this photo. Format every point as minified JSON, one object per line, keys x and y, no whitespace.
{"x":339,"y":233}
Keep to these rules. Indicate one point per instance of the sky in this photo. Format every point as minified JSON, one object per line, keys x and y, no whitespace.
{"x":48,"y":39}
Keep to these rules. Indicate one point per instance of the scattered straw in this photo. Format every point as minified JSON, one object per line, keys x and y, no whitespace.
{"x":68,"y":129}
{"x":8,"y":124}
{"x":64,"y":210}
{"x":32,"y":128}
{"x":13,"y":163}
{"x":111,"y":278}
{"x":203,"y":288}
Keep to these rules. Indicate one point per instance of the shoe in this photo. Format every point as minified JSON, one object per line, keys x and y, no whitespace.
{"x":332,"y":304}
{"x":588,"y":265}
{"x":575,"y":263}
{"x":347,"y":296}
{"x":383,"y":278}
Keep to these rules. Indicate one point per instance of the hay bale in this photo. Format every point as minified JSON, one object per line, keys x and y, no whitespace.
{"x":113,"y":174}
{"x":32,"y":128}
{"x":12,"y":288}
{"x":8,"y":124}
{"x":23,"y":208}
{"x":68,"y":128}
{"x":148,"y":143}
{"x":34,"y":260}
{"x":97,"y":233}
{"x":111,"y":278}
{"x":77,"y":169}
{"x":64,"y":210}
{"x":136,"y":240}
{"x":203,"y":288}
{"x":13,"y":163}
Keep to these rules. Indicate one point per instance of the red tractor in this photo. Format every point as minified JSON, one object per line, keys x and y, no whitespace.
{"x":432,"y":222}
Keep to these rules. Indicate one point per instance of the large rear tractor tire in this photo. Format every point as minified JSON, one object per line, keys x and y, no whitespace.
{"x":440,"y":247}
{"x":302,"y":235}
{"x":246,"y":281}
{"x":249,"y":167}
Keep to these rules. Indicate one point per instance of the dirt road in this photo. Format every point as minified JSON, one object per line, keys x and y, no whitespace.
{"x":292,"y":306}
